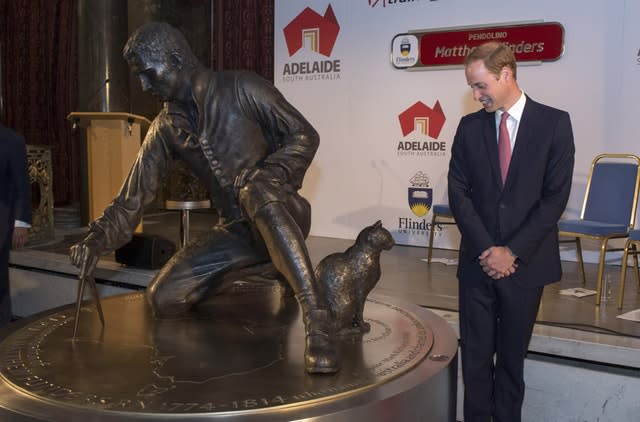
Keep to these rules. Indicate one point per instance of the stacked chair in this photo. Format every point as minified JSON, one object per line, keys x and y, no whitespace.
{"x":608,"y":209}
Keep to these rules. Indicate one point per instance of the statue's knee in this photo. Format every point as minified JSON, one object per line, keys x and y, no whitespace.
{"x":165,"y":303}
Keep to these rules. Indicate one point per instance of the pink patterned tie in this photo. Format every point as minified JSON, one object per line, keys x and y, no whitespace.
{"x":504,"y":146}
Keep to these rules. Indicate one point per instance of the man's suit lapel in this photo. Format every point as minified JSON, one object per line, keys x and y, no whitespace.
{"x":491,"y":144}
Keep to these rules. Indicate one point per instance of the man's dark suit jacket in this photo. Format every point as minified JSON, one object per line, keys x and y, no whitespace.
{"x":15,"y":190}
{"x":524,"y":214}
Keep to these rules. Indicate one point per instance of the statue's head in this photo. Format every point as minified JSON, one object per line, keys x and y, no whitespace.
{"x":159,"y":55}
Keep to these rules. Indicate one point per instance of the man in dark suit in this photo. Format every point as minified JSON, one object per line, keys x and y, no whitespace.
{"x":507,"y":215}
{"x":15,"y":208}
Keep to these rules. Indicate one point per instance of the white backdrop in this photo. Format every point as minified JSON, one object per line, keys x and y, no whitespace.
{"x":358,"y":175}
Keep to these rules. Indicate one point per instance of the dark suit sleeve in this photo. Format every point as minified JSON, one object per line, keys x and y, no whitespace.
{"x":544,"y":217}
{"x":20,"y":180}
{"x":475,"y":236}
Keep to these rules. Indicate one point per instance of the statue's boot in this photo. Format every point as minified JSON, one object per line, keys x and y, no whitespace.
{"x":288,"y":252}
{"x":320,"y":354}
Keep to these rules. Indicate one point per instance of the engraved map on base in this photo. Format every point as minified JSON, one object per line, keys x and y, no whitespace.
{"x":238,"y":351}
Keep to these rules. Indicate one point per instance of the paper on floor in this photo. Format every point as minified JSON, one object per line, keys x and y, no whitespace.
{"x":577,"y":292}
{"x":631,"y":315}
{"x":445,"y":261}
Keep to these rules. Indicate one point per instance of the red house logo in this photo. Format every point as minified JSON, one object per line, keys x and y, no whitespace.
{"x":421,"y":118}
{"x":310,"y":30}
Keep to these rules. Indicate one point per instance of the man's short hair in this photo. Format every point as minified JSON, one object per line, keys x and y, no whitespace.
{"x":494,"y":55}
{"x":158,"y":40}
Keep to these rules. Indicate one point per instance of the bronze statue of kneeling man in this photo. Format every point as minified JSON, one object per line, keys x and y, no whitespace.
{"x":251,"y":148}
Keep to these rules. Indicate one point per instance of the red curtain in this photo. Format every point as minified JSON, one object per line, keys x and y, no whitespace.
{"x":40,"y":70}
{"x":39,"y":82}
{"x":243,"y":36}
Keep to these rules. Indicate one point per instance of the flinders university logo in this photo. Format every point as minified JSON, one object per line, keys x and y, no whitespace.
{"x":420,"y":194}
{"x":310,"y":34}
{"x":404,"y":51}
{"x":421,"y":126}
{"x":420,"y":199}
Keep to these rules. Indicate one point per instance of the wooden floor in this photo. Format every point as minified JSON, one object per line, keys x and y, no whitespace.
{"x":405,"y":275}
{"x":408,"y":277}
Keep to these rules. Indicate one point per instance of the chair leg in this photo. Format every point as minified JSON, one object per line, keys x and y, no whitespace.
{"x":580,"y":261}
{"x":623,"y":272}
{"x":603,"y":251}
{"x":635,"y":264}
{"x":431,"y":230}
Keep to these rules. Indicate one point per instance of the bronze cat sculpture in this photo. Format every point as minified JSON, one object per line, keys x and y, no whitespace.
{"x":348,"y":277}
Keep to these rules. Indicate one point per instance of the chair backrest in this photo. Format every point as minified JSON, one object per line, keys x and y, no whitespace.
{"x":612,"y":189}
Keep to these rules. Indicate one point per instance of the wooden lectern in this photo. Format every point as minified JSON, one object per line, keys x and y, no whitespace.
{"x":113,"y":140}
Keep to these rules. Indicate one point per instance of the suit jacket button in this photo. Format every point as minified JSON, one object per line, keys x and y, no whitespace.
{"x":502,"y":206}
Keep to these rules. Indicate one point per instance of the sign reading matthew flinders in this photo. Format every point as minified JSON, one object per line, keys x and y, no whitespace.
{"x":533,"y":42}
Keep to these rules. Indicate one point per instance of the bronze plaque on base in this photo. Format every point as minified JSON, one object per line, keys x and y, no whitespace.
{"x":239,"y":355}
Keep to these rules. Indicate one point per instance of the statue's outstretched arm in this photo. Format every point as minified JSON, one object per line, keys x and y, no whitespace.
{"x":116,"y":225}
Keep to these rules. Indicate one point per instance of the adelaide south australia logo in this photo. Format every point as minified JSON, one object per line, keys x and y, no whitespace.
{"x":421,"y":126}
{"x":310,"y":35}
{"x":420,"y":194}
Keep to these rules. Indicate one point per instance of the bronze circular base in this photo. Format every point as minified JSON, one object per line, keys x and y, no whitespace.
{"x":237,"y":356}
